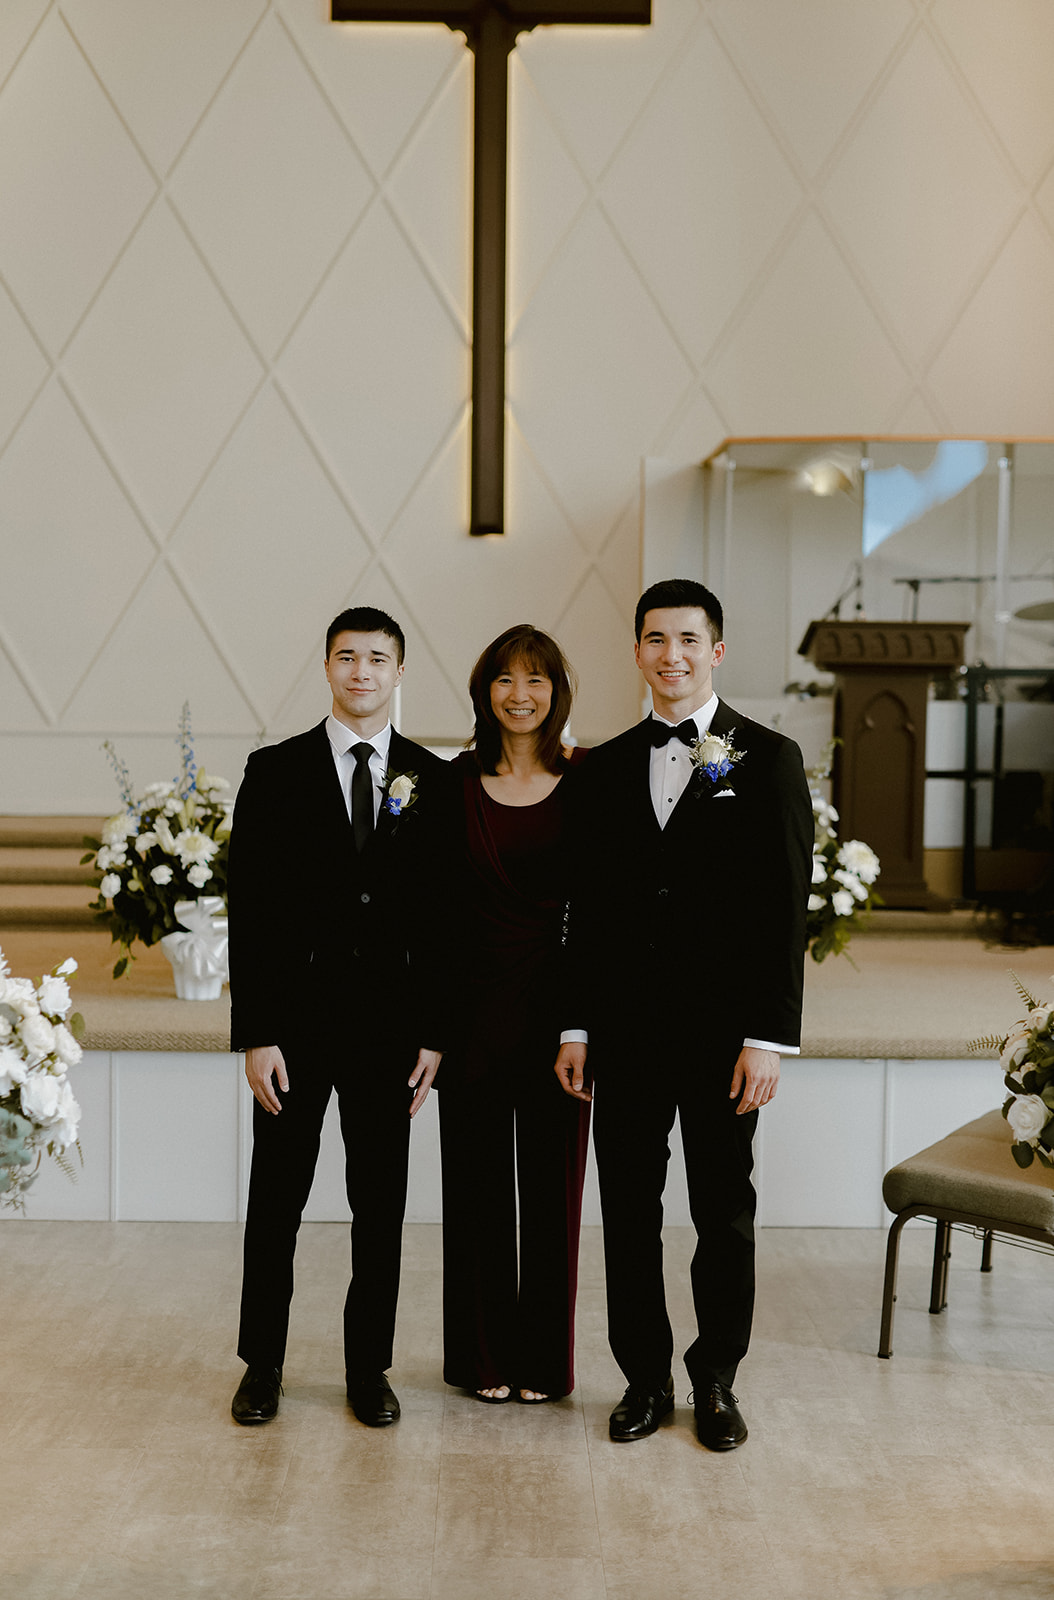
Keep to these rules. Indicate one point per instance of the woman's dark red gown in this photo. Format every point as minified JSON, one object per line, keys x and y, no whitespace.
{"x":507,"y":1128}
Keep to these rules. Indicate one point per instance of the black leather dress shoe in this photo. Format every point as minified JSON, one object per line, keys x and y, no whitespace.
{"x":640,"y":1411}
{"x":373,"y":1401}
{"x":256,"y":1398}
{"x":717,"y":1418}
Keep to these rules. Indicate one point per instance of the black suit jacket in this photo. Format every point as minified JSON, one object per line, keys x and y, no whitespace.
{"x":315,"y":927}
{"x":704,"y":920}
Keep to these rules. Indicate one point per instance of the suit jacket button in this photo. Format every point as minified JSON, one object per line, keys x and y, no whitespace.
{"x":365,"y":899}
{"x":664,"y":891}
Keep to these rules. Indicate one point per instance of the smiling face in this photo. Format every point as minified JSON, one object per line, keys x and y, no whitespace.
{"x":521,"y":698}
{"x":677,"y":656}
{"x":362,"y":672}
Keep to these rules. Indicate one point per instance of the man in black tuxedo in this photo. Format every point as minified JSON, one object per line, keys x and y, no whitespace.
{"x":686,"y":948}
{"x":332,"y":854}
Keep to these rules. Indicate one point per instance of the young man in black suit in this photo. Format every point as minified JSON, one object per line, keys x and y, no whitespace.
{"x":332,"y":854}
{"x":686,"y":948}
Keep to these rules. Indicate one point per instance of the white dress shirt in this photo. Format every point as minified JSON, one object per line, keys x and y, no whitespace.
{"x":671,"y":765}
{"x":342,"y":741}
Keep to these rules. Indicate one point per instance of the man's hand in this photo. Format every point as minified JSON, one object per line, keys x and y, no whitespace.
{"x":422,"y":1075}
{"x":570,"y":1068}
{"x":263,"y":1062}
{"x":757,"y":1073}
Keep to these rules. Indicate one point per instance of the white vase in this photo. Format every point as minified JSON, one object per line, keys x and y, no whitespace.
{"x":199,"y":955}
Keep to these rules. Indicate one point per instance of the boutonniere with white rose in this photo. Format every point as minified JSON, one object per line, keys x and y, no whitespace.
{"x":715,"y":757}
{"x":400,"y":792}
{"x":1026,"y":1055}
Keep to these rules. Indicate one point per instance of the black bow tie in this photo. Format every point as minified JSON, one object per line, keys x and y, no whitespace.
{"x":662,"y":733}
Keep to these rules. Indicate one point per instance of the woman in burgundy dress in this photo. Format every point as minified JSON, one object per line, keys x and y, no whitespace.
{"x":507,"y":1129}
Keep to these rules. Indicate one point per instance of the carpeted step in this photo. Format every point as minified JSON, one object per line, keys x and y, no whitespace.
{"x":42,"y":864}
{"x":46,"y":905}
{"x":48,"y":833}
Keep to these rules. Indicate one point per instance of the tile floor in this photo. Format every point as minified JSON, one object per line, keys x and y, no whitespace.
{"x":928,"y":1477}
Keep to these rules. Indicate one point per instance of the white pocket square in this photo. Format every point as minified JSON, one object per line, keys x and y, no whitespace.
{"x":725,"y":794}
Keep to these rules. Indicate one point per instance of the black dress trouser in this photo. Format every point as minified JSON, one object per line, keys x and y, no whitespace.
{"x":370,"y":1080}
{"x":633,"y":1112}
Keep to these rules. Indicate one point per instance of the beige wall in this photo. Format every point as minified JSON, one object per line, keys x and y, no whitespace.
{"x":233,"y":326}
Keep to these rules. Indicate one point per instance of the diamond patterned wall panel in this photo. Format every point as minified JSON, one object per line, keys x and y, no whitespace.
{"x":267,"y":550}
{"x":162,"y":63}
{"x":234,"y":363}
{"x":72,"y":184}
{"x":63,"y":588}
{"x":270,"y":186}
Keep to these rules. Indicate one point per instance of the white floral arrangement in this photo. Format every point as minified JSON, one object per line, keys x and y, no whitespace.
{"x":1026,"y":1055}
{"x":169,"y":844}
{"x":843,"y":876}
{"x":38,"y":1045}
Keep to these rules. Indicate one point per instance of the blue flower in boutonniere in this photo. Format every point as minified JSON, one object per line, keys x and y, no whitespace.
{"x":400,"y":792}
{"x":715,"y":757}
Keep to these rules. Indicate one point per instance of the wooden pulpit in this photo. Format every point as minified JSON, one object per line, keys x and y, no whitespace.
{"x":882,"y":675}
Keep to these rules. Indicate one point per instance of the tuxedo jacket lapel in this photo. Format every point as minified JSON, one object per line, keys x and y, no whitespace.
{"x":400,"y":759}
{"x":700,"y":792}
{"x":324,"y":781}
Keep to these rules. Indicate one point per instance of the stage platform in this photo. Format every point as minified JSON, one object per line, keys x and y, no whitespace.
{"x":885,"y":1070}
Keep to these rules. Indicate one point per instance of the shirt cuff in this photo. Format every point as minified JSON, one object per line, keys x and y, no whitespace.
{"x":574,"y":1036}
{"x":767,"y":1044}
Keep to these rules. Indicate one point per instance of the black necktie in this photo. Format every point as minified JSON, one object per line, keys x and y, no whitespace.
{"x":662,"y":733}
{"x":362,"y":795}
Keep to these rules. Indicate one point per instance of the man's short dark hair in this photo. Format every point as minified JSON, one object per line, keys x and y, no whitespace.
{"x":681,"y":592}
{"x":366,"y":619}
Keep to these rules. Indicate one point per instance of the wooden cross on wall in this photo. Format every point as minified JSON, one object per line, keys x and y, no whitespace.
{"x":490,"y":28}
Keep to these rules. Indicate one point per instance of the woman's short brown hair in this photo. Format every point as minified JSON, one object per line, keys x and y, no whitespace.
{"x":538,"y":653}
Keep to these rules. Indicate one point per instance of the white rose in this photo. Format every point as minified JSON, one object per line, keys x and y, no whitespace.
{"x":145,"y":842}
{"x":104,"y":858}
{"x":154,"y":791}
{"x":161,"y":874}
{"x":1016,"y":1048}
{"x":115,"y":829}
{"x":38,"y":1037}
{"x":110,"y":886}
{"x":172,"y":806}
{"x":401,"y":788}
{"x":860,"y":859}
{"x":41,"y":1096}
{"x":67,"y":1049}
{"x":711,"y":748}
{"x":54,"y":996}
{"x":209,"y":785}
{"x":843,"y":903}
{"x":1040,"y":1017}
{"x":19,"y":994}
{"x":199,"y":875}
{"x":13,"y":1069}
{"x":1027,"y":1116}
{"x":64,"y":1129}
{"x":819,"y":869}
{"x":192,"y":845}
{"x":850,"y":882}
{"x":816,"y":902}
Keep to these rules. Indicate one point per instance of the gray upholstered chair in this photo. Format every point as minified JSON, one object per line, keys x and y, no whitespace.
{"x":969,"y":1178}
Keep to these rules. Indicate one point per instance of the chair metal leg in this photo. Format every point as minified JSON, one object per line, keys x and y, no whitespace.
{"x":986,"y":1252}
{"x":941,"y":1256}
{"x":889,"y":1288}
